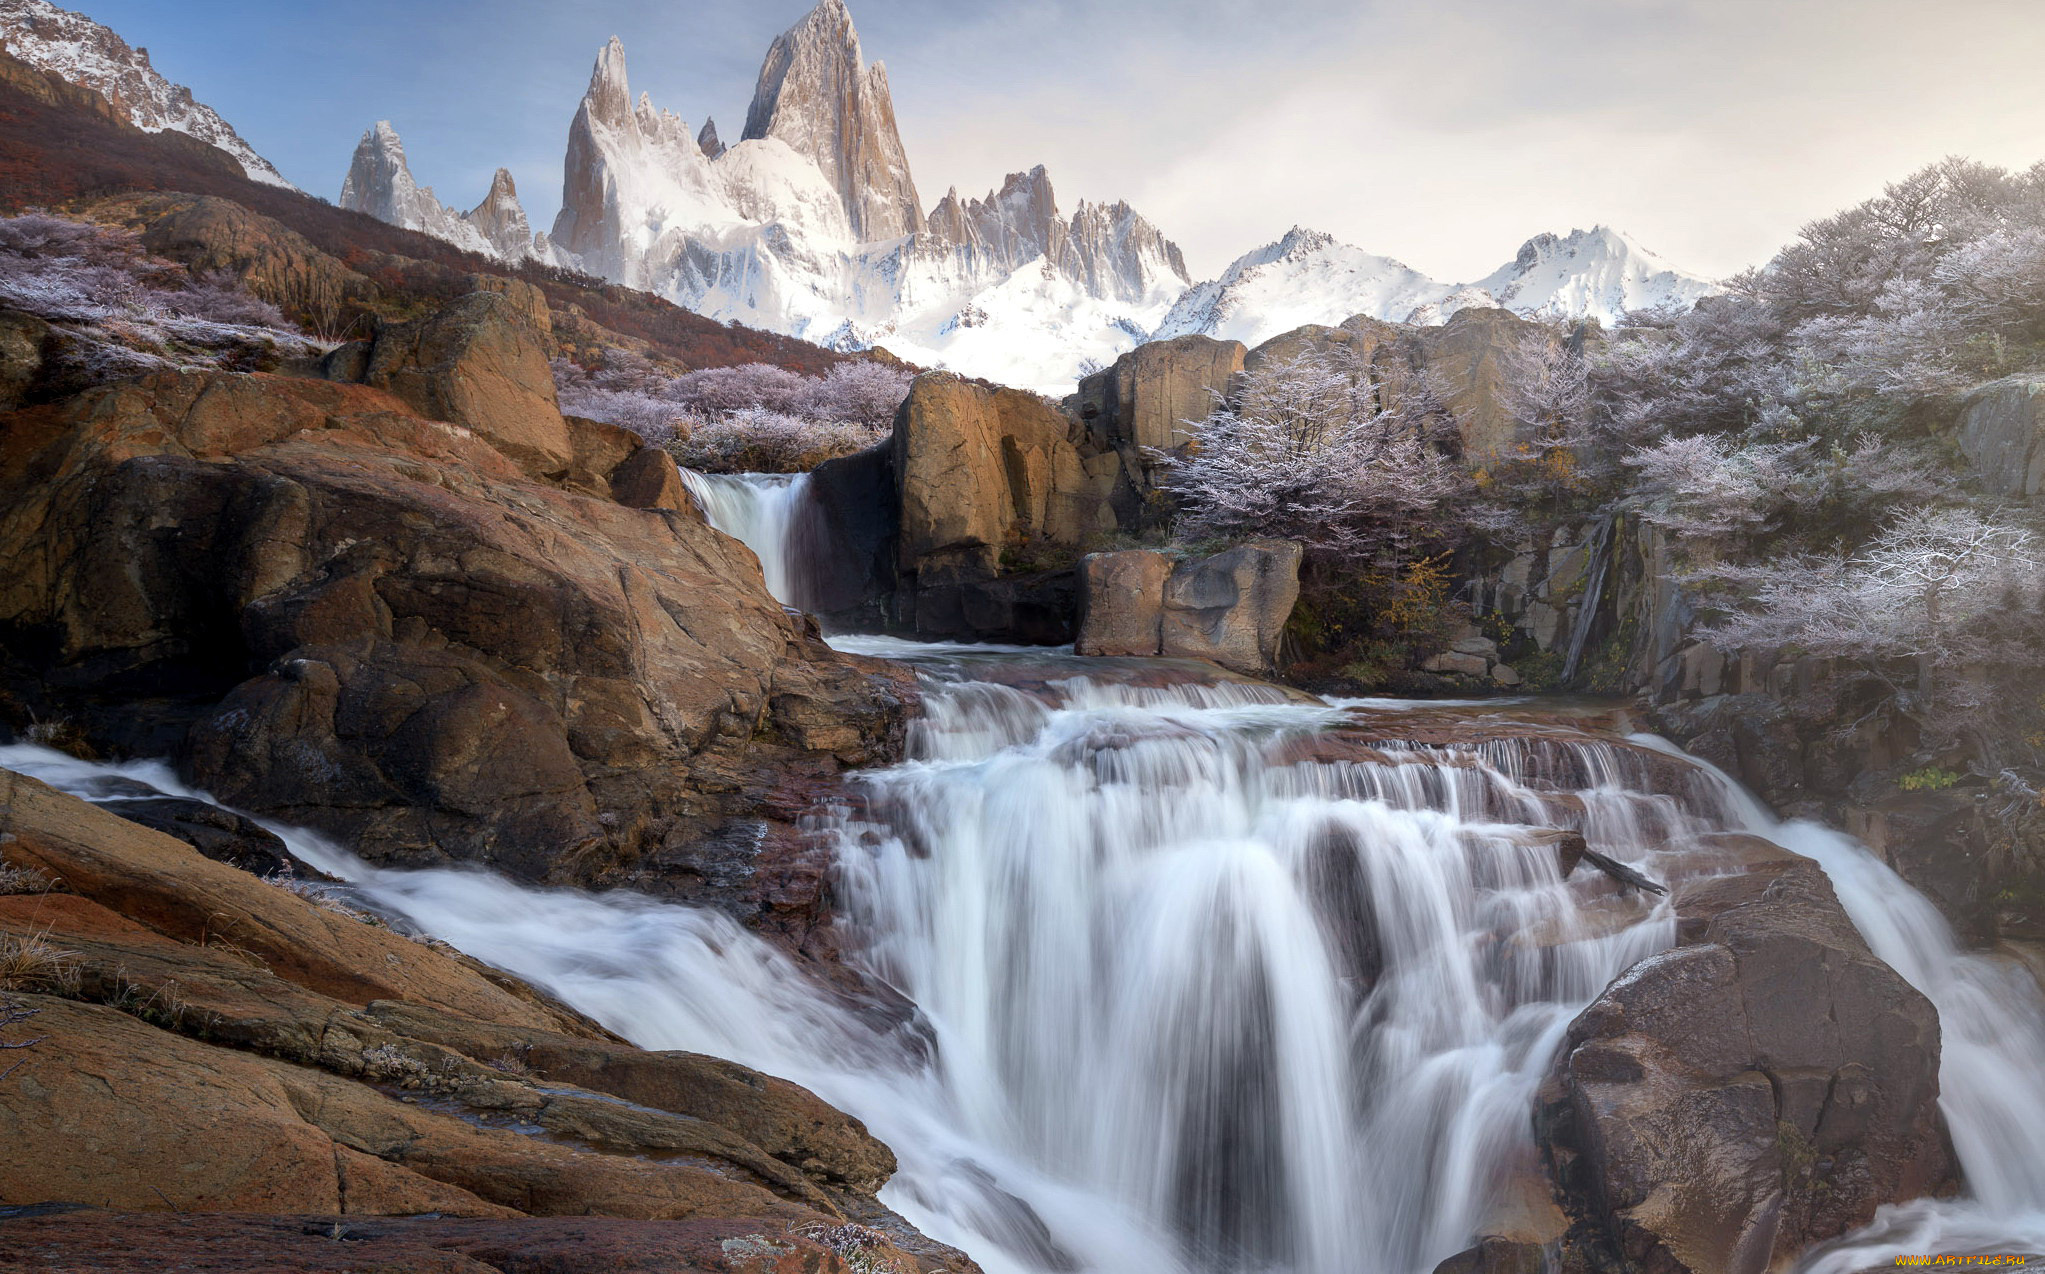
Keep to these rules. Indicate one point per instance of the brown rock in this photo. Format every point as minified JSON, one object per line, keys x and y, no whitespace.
{"x":90,"y":1241}
{"x":1725,"y":1105}
{"x":172,"y":889}
{"x":981,"y":467}
{"x":213,"y":236}
{"x":1144,"y":399}
{"x":1231,"y":608}
{"x":22,"y":340}
{"x":1474,"y":357}
{"x":478,"y":663}
{"x":1122,"y":602}
{"x":648,"y":479}
{"x":479,"y":363}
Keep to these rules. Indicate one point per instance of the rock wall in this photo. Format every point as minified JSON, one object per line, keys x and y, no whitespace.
{"x":1141,"y":404}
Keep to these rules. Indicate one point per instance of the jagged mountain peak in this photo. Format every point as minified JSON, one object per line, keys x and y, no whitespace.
{"x":707,"y":141}
{"x":80,"y":51}
{"x":816,"y":94}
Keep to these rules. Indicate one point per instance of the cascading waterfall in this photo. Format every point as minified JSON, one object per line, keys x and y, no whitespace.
{"x":765,"y":512}
{"x":1210,"y":987}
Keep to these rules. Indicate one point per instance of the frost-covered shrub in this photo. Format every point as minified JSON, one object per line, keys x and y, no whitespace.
{"x":652,"y":418}
{"x":751,"y":418}
{"x":755,"y":440}
{"x":125,"y":313}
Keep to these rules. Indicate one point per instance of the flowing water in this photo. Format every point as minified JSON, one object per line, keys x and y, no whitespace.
{"x":763,"y":511}
{"x":1210,"y":981}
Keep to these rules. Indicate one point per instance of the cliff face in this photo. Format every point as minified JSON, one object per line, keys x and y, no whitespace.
{"x":817,"y":95}
{"x":411,"y":611}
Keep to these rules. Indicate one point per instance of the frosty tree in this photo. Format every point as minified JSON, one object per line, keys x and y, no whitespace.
{"x":1947,"y":587}
{"x":1310,"y":450}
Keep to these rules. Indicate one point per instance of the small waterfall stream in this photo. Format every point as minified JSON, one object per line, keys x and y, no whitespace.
{"x":1212,"y":986}
{"x":763,"y":511}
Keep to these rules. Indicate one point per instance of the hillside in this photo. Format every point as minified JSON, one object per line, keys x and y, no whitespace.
{"x":65,"y":147}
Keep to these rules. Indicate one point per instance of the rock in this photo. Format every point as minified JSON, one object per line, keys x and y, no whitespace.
{"x":353,"y":619}
{"x":226,"y":1045}
{"x":983,"y":471}
{"x":816,"y":94}
{"x":1725,"y":1105}
{"x":1457,"y":663}
{"x":153,"y":880}
{"x":1475,"y":646}
{"x":480,"y":364}
{"x":1497,"y":1256}
{"x":91,"y":1241}
{"x":2002,"y":434}
{"x":980,"y":467}
{"x":214,"y":236}
{"x":648,"y":479}
{"x":22,"y":340}
{"x":1144,"y":400}
{"x":1475,"y":357}
{"x":1504,"y":675}
{"x":1121,"y":610}
{"x":501,"y":219}
{"x":1231,"y":608}
{"x":857,"y":510}
{"x":220,"y":834}
{"x":706,"y":139}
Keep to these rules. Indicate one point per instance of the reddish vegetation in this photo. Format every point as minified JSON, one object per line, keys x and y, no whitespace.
{"x":60,"y":144}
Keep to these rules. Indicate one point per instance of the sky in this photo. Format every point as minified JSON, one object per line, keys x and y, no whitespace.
{"x":1441,"y":132}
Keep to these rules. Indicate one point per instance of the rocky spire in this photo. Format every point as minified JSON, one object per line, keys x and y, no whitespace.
{"x":706,"y":141}
{"x":501,"y":219}
{"x":817,"y":95}
{"x":380,"y":183}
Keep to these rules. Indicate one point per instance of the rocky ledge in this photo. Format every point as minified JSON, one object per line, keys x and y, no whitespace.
{"x":203,"y":1041}
{"x":403,"y":600}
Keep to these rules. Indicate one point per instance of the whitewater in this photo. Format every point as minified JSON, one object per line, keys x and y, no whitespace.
{"x":1194,"y":992}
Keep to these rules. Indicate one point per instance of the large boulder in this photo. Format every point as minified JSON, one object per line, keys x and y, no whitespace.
{"x":480,"y":363}
{"x":1726,"y":1104}
{"x":1122,"y":597}
{"x":987,"y":477}
{"x":2002,"y":434}
{"x":347,"y":616}
{"x":1229,"y":608}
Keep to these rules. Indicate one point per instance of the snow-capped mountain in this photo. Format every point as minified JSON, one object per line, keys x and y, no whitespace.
{"x":809,"y":225}
{"x":1305,"y":277}
{"x":1597,"y":273}
{"x":82,"y":52}
{"x":1309,"y":277}
{"x":380,"y":183}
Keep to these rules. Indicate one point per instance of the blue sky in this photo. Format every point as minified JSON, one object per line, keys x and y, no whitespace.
{"x":1443,"y":133}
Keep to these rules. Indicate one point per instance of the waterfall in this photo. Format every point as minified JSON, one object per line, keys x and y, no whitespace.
{"x":1205,"y":986}
{"x":765,"y":512}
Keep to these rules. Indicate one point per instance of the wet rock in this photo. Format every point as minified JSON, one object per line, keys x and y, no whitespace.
{"x":92,"y":1241}
{"x":1497,"y":1256}
{"x":220,"y":834}
{"x":1725,"y":1105}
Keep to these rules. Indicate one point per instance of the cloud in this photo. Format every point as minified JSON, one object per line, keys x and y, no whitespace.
{"x":1443,"y":133}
